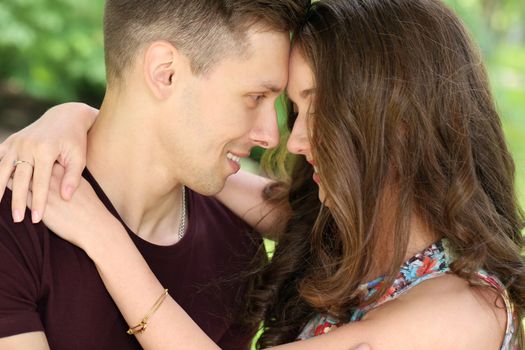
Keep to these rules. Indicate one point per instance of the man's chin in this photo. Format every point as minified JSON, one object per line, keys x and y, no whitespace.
{"x":208,"y":189}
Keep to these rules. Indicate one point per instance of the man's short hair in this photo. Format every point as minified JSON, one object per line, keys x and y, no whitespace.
{"x":203,"y":30}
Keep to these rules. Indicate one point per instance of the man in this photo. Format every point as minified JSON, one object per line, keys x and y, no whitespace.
{"x":191,"y":89}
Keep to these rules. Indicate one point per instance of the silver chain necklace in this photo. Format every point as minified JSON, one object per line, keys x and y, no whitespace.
{"x":182,"y":223}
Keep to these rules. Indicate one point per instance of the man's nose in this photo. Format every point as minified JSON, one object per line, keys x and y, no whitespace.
{"x":266,"y":131}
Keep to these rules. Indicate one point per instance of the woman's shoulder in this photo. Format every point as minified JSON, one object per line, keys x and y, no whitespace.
{"x":448,"y":313}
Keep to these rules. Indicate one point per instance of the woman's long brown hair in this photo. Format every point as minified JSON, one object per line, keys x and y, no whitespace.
{"x":400,"y":89}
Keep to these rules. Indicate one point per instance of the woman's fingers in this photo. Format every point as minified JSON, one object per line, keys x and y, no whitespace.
{"x":73,"y":169}
{"x":40,"y":188}
{"x":22,"y":175}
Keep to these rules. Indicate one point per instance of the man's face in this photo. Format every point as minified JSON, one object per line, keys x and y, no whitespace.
{"x":216,"y":118}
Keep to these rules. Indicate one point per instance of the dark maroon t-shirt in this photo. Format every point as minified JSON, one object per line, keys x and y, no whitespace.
{"x":50,"y":285}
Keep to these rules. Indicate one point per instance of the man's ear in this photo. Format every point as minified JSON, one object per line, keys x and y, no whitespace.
{"x":160,"y":65}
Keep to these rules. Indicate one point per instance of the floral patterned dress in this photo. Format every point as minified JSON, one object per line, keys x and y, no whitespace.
{"x":432,"y":262}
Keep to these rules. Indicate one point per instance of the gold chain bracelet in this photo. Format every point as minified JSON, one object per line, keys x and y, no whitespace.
{"x":141,"y":327}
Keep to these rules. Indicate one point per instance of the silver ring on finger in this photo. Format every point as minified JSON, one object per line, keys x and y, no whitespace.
{"x":17,"y":162}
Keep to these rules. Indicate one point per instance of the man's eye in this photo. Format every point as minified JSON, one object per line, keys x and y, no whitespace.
{"x":253,"y":101}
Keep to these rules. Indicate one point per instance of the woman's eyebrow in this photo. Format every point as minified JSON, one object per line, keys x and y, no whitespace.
{"x":307,"y":92}
{"x":303,"y":94}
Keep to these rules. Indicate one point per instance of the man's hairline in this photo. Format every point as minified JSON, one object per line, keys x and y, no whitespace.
{"x":244,"y":52}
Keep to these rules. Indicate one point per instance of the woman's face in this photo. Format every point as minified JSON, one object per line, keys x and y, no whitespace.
{"x":301,"y":90}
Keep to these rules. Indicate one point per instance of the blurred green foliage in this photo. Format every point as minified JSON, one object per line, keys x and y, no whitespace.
{"x":52,"y":49}
{"x":498,"y":27}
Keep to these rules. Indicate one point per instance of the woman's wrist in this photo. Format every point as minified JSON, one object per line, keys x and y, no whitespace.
{"x":84,"y":112}
{"x":109,"y":233}
{"x":90,"y":115}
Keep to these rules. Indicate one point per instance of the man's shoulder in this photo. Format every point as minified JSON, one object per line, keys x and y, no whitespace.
{"x":21,"y":266}
{"x":16,"y":236}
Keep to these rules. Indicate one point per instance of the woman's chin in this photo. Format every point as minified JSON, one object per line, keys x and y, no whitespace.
{"x":322,"y":197}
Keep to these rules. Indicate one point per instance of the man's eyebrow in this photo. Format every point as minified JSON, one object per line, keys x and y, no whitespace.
{"x":272,"y":87}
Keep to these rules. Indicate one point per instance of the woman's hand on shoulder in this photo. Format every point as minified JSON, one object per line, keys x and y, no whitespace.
{"x":83,"y":220}
{"x":60,"y":135}
{"x":243,"y":195}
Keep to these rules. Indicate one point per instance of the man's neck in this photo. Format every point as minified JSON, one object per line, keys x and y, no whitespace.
{"x":127,"y":161}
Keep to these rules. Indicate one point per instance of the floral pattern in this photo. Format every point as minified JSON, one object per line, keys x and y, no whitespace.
{"x":432,"y":262}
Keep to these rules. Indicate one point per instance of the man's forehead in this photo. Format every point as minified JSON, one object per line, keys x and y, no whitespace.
{"x":264,"y":68}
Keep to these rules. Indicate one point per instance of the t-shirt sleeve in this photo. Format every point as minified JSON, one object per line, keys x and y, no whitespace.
{"x":20,"y":273}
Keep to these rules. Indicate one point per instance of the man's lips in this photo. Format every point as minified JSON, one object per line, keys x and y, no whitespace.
{"x":240,"y":155}
{"x":235,"y":159}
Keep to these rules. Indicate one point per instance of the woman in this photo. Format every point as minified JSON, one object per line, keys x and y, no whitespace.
{"x":393,"y":113}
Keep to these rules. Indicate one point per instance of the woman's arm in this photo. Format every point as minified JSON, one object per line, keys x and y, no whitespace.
{"x":422,"y":322}
{"x":135,"y":289}
{"x":125,"y":273}
{"x":243,"y":194}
